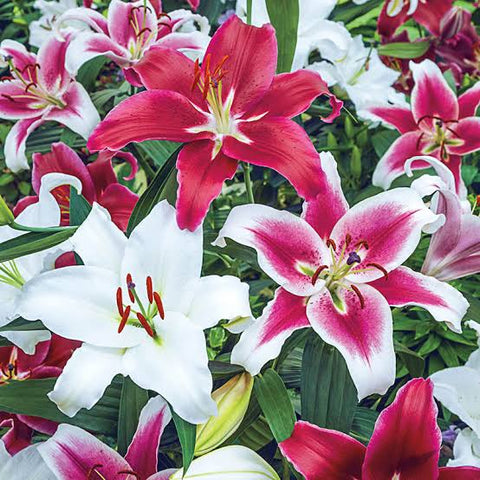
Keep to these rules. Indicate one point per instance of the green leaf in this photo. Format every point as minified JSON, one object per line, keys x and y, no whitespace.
{"x":22,"y":325}
{"x":275,"y":404}
{"x":31,"y":243}
{"x":404,"y":49}
{"x":382,"y":140}
{"x":187,"y":433}
{"x":79,"y":207}
{"x":363,"y":424}
{"x":29,"y":397}
{"x":158,"y":151}
{"x":348,"y":11}
{"x":329,"y":397}
{"x":284,"y":16}
{"x":88,"y":73}
{"x":414,"y":362}
{"x":154,"y":192}
{"x":132,"y":400}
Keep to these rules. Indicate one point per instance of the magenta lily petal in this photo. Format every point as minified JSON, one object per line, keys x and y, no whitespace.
{"x":264,"y":339}
{"x":321,"y":453}
{"x":326,"y":209}
{"x":142,"y":454}
{"x":273,"y":143}
{"x":51,"y":58}
{"x":15,"y":103}
{"x":289,"y":250}
{"x":431,"y":95}
{"x":250,"y":64}
{"x":150,"y":115}
{"x":120,"y":202}
{"x":48,"y":427}
{"x":194,"y":3}
{"x":406,"y":440}
{"x":459,"y":473}
{"x":200,"y":179}
{"x":21,"y":57}
{"x":399,"y":117}
{"x":468,"y":130}
{"x":18,"y":436}
{"x":362,"y":335}
{"x":469,"y":101}
{"x":73,"y":454}
{"x":390,"y":223}
{"x":406,"y":287}
{"x":430,"y":14}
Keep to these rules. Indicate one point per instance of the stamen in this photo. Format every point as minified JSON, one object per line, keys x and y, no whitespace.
{"x":158,"y":302}
{"x":362,"y":243}
{"x":130,"y":472}
{"x":94,"y":470}
{"x":318,"y":271}
{"x":145,"y":324}
{"x":353,"y":257}
{"x":348,"y":240}
{"x":359,"y":295}
{"x":120,"y":301}
{"x":150,"y":289}
{"x":378,"y":267}
{"x":124,"y":319}
{"x":331,"y":243}
{"x":130,"y":287}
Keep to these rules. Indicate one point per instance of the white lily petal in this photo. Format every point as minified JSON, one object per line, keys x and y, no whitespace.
{"x":466,"y":450}
{"x":85,"y":377}
{"x":26,"y":464}
{"x":27,"y":340}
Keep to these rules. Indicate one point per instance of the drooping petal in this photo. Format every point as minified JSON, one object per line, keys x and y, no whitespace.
{"x":27,"y":340}
{"x":175,"y":365}
{"x":150,"y":115}
{"x":200,"y":179}
{"x":459,"y":473}
{"x":324,"y":211}
{"x":142,"y":453}
{"x":284,"y":146}
{"x":392,"y":164}
{"x":218,"y":298}
{"x":431,"y":95}
{"x":263,"y":340}
{"x":399,"y":117}
{"x":120,"y":201}
{"x":288,"y":248}
{"x":391,"y":223}
{"x":362,"y":335}
{"x":170,"y":256}
{"x":73,"y":454}
{"x":406,"y":440}
{"x":18,"y":436}
{"x":468,"y":130}
{"x":14,"y":146}
{"x":469,"y":101}
{"x":85,"y":377}
{"x":406,"y":287}
{"x":321,"y":453}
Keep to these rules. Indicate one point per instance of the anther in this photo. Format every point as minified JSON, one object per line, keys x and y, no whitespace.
{"x":94,"y":470}
{"x":150,"y":289}
{"x":353,"y":257}
{"x":124,"y":319}
{"x":120,"y":301}
{"x":378,"y":267}
{"x":348,"y":240}
{"x":359,"y":295}
{"x":362,"y":243}
{"x":317,"y":272}
{"x":158,"y":302}
{"x":331,"y":243}
{"x":145,"y":324}
{"x":130,"y":287}
{"x":130,"y":472}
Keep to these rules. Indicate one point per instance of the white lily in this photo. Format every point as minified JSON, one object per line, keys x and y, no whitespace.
{"x":140,"y":307}
{"x":15,"y":274}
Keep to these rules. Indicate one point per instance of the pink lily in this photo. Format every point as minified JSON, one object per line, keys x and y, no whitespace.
{"x":405,"y":445}
{"x":98,"y":179}
{"x":47,"y":361}
{"x":39,"y":89}
{"x":73,"y":454}
{"x":233,"y":108}
{"x":438,"y":124}
{"x":338,"y":271}
{"x":130,"y":30}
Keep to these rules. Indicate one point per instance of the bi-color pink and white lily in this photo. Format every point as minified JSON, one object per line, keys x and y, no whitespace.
{"x":438,"y":124}
{"x":130,"y":30}
{"x":140,"y":307}
{"x":339,"y":270}
{"x":233,"y":108}
{"x":40,"y":89}
{"x":405,"y":444}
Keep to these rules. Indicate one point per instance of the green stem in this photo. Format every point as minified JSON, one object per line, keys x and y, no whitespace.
{"x":249,"y":12}
{"x":24,"y":228}
{"x":286,"y":469}
{"x":248,"y":183}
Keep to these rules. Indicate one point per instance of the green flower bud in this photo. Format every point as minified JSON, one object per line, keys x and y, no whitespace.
{"x":232,"y":400}
{"x":356,"y":162}
{"x":6,"y":215}
{"x":331,"y":141}
{"x":349,"y":129}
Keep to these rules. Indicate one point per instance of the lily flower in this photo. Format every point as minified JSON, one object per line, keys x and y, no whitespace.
{"x":140,"y":306}
{"x":233,"y":108}
{"x":47,"y":362}
{"x":438,"y":124}
{"x":39,"y":89}
{"x":405,"y":444}
{"x":73,"y":454}
{"x":129,"y":31}
{"x":339,"y":269}
{"x":15,"y":274}
{"x":98,"y":179}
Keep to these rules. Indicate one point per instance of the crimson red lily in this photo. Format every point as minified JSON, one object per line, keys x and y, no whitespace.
{"x":47,"y":361}
{"x":405,"y":445}
{"x":233,"y":108}
{"x":99,"y":182}
{"x":438,"y":124}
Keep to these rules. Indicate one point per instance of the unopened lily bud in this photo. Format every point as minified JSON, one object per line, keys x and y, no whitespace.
{"x":6,"y":215}
{"x":349,"y":130}
{"x":362,"y":138}
{"x":331,"y":141}
{"x":232,"y":400}
{"x":356,"y":162}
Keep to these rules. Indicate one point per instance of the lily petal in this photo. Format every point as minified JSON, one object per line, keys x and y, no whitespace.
{"x":469,"y":101}
{"x":120,"y":201}
{"x":399,"y":117}
{"x":468,"y":130}
{"x":26,"y":464}
{"x":459,"y":473}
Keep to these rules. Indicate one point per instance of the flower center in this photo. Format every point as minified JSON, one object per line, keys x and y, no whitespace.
{"x":10,"y":274}
{"x":439,"y":135}
{"x":9,"y":371}
{"x":32,"y":89}
{"x":94,"y":473}
{"x":143,"y":35}
{"x":143,"y":315}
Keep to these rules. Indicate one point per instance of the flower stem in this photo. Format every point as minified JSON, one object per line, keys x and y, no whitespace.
{"x":249,"y":12}
{"x":24,"y":228}
{"x":248,"y":182}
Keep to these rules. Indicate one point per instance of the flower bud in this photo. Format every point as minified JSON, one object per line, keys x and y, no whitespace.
{"x":6,"y":215}
{"x":356,"y":162}
{"x":349,"y":130}
{"x":232,"y":400}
